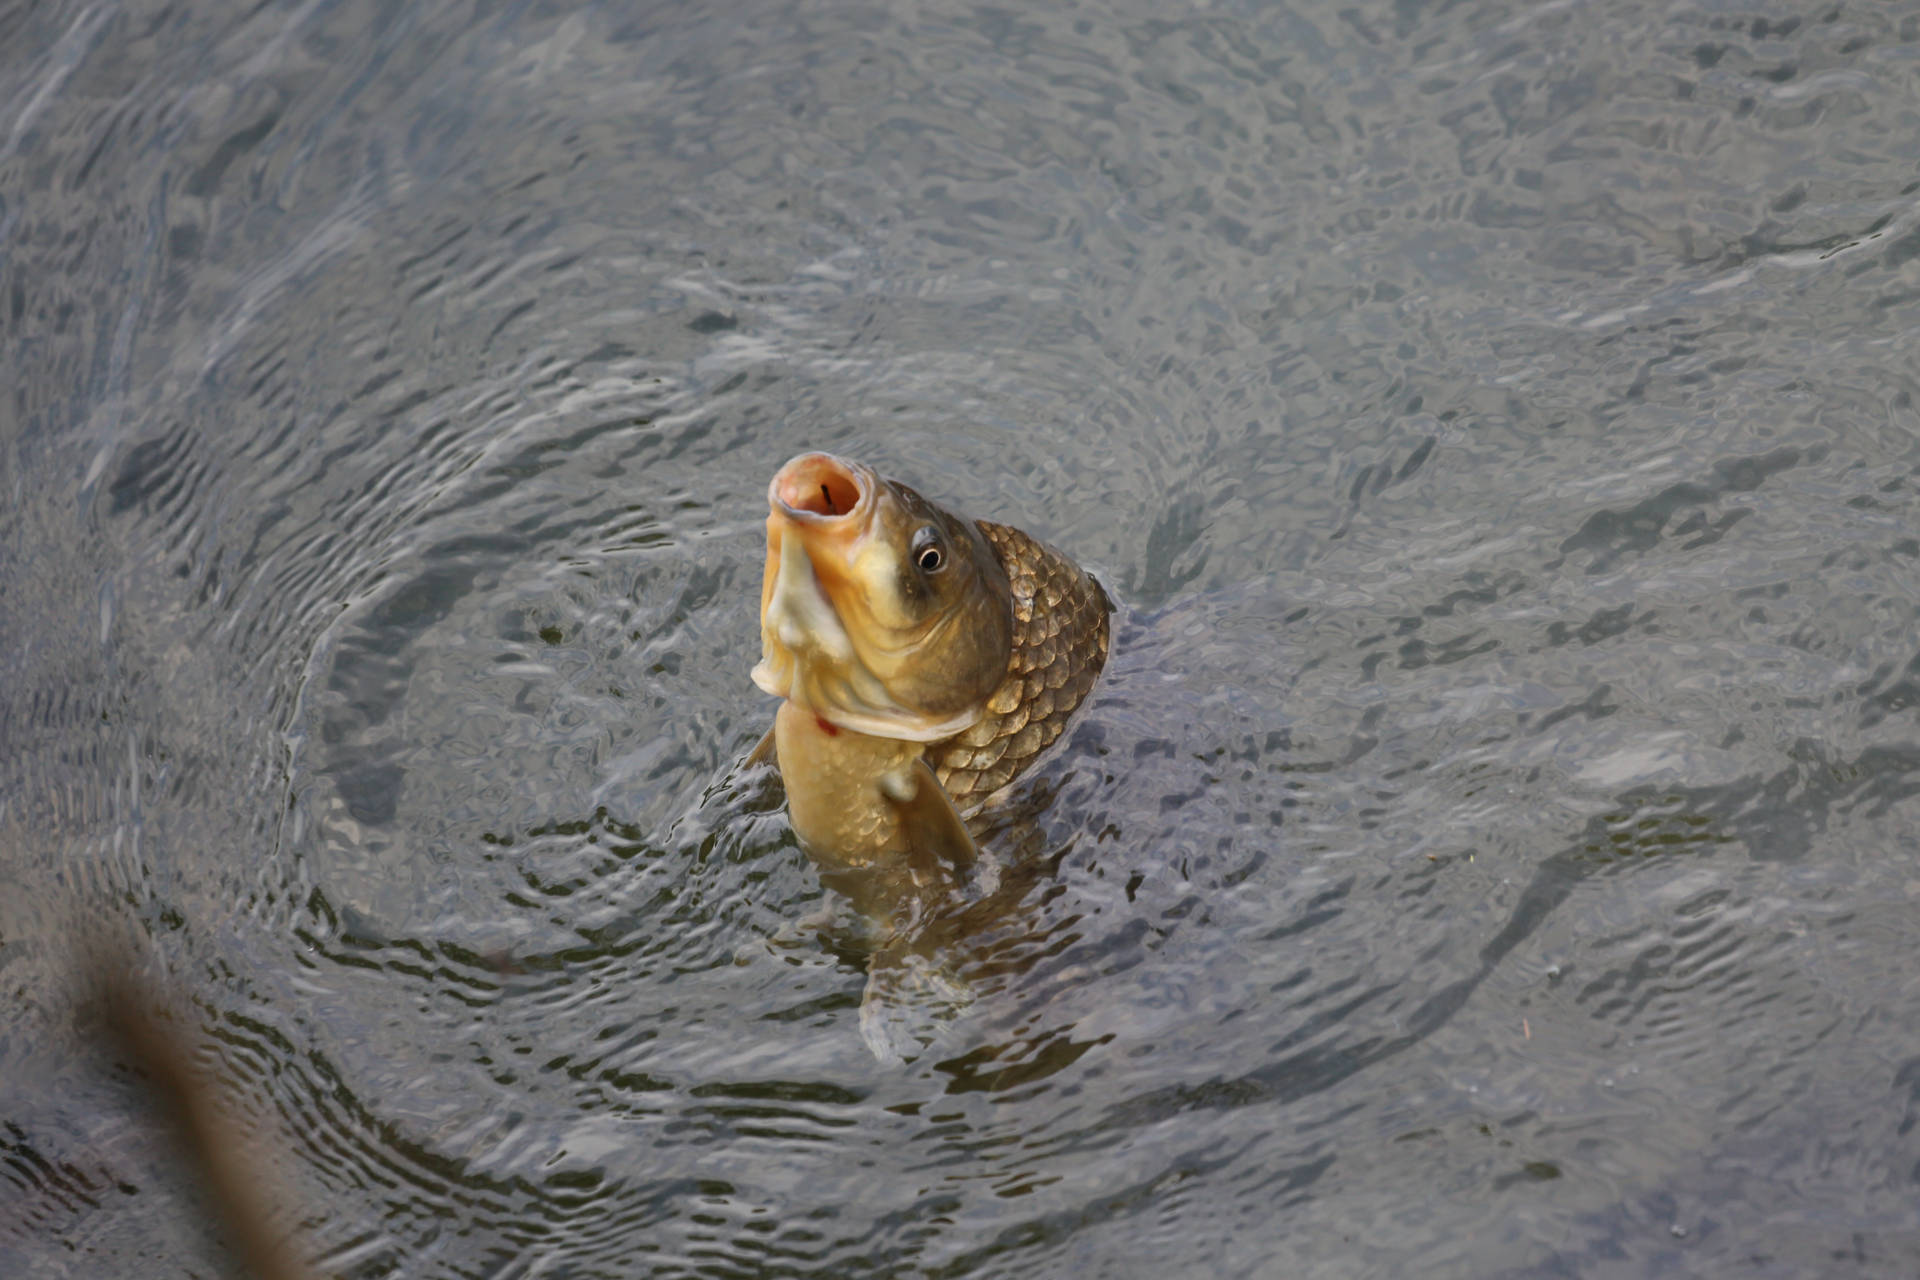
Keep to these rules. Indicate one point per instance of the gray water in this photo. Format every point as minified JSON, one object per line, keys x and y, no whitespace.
{"x":1490,"y":851}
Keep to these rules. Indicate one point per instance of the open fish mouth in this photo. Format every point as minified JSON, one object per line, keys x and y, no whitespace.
{"x":818,"y":489}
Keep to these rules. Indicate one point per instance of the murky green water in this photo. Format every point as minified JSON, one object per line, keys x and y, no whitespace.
{"x":1491,"y":851}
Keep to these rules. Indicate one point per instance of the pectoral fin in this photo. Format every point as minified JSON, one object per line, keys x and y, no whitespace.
{"x":763,"y":753}
{"x":935,"y":835}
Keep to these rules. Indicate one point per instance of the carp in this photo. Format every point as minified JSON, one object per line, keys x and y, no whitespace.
{"x":923,"y":660}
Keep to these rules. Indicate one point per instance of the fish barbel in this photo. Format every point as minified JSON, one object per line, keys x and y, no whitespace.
{"x":924,"y":660}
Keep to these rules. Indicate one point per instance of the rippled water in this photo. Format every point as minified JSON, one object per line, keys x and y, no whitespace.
{"x":1490,"y":851}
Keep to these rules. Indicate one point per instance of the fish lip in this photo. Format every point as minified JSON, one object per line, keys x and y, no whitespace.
{"x":804,"y":525}
{"x":796,"y":492}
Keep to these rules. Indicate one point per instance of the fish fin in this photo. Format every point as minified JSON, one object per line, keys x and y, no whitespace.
{"x":763,"y":752}
{"x":932,"y":825}
{"x":909,"y":1001}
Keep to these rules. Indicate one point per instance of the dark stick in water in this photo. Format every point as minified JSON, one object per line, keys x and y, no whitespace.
{"x":144,"y":1026}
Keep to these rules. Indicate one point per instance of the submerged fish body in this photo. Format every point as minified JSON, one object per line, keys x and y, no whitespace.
{"x":924,"y":661}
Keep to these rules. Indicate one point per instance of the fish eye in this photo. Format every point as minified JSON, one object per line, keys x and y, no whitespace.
{"x":927,"y":555}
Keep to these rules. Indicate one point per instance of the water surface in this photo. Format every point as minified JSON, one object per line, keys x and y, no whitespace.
{"x":1489,"y":853}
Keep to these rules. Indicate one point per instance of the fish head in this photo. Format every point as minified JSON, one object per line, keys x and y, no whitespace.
{"x":879,"y":611}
